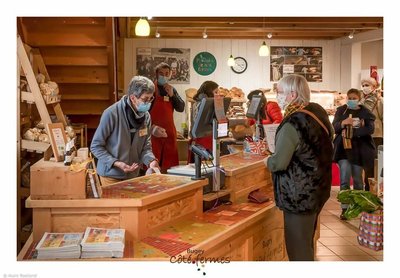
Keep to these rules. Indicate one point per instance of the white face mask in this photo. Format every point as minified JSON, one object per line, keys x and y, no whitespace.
{"x":281,"y":99}
{"x":367,"y":90}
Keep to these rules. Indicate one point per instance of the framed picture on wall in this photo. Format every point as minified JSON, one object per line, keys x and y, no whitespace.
{"x":147,"y":60}
{"x":306,"y":61}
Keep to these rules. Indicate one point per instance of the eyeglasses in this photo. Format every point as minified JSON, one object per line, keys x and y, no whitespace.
{"x":365,"y":85}
{"x":147,"y":100}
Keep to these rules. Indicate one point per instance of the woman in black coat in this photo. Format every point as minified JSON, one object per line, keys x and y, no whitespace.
{"x":362,"y":152}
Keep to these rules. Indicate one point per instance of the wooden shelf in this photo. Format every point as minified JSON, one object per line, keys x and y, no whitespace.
{"x":215,"y":195}
{"x":33,"y":146}
{"x":29,"y":98}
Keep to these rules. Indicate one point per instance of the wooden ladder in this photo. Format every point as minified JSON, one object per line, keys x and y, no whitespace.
{"x":33,"y":95}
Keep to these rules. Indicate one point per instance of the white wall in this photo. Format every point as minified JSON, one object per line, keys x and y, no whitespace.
{"x":352,"y":57}
{"x":257,"y":73}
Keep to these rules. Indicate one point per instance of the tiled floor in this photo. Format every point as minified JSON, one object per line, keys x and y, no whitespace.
{"x":338,"y":238}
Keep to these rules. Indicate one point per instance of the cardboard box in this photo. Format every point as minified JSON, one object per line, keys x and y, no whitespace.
{"x":53,"y":181}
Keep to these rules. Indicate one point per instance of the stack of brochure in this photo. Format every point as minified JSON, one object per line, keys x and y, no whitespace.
{"x":59,"y":246}
{"x":103,"y":243}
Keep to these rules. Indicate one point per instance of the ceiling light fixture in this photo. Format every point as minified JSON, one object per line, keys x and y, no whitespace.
{"x":157,"y":34}
{"x":264,"y":50}
{"x":205,"y":33}
{"x":231,"y":60}
{"x":142,"y":28}
{"x":351,"y":35}
{"x":269,"y":35}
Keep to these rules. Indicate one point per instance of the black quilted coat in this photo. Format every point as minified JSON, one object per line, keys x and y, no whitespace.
{"x":305,"y":185}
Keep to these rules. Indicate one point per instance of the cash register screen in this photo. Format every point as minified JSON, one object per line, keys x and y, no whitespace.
{"x":254,"y":107}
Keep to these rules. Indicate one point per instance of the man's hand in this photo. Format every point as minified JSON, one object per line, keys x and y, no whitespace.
{"x":158,"y":131}
{"x":125,"y":167}
{"x":169,"y":89}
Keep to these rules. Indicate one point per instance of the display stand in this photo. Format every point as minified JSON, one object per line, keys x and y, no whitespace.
{"x":33,"y":95}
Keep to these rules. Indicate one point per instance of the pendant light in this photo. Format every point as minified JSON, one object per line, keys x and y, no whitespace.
{"x":264,"y":50}
{"x":142,"y":28}
{"x":231,"y":61}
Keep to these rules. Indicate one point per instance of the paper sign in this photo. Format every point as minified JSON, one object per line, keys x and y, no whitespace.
{"x":270,"y":131}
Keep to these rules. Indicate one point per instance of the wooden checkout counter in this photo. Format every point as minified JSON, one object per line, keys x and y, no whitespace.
{"x":163,"y":217}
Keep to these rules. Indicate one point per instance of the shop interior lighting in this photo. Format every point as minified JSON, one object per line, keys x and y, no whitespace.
{"x":264,"y":50}
{"x":351,"y":35}
{"x":157,"y":34}
{"x":231,"y":61}
{"x":205,"y":34}
{"x":142,"y":28}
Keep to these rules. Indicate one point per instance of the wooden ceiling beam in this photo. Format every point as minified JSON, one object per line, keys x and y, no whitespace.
{"x":29,"y":21}
{"x":266,"y":26}
{"x":289,"y":20}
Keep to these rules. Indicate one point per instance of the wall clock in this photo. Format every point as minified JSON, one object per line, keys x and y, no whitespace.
{"x":240,"y":65}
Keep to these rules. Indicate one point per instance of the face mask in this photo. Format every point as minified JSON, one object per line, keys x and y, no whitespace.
{"x":161,"y":80}
{"x":143,"y":107}
{"x":281,"y":98}
{"x":367,"y":90}
{"x":352,"y":104}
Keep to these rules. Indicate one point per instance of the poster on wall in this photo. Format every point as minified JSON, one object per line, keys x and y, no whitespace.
{"x":178,"y":58}
{"x":306,"y":61}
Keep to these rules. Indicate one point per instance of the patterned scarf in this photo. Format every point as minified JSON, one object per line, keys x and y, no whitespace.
{"x":293,"y":107}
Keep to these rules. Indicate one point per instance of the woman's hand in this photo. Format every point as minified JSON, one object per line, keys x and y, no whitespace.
{"x":348,"y":121}
{"x":125,"y":167}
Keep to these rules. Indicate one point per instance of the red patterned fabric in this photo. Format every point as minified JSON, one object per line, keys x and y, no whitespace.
{"x":371,"y":230}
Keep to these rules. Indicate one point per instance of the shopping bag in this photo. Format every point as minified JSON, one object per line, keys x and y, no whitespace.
{"x":256,"y":147}
{"x":370,"y":232}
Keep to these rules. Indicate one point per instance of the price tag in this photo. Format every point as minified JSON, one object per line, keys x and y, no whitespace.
{"x":143,"y":132}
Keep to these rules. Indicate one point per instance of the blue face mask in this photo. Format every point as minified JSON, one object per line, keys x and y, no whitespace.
{"x":162,"y":80}
{"x":352,"y":104}
{"x":144,"y":107}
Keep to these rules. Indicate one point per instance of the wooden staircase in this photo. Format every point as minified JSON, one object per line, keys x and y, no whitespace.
{"x":79,"y":54}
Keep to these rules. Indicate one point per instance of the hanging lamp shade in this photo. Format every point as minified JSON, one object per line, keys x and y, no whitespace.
{"x":142,"y":28}
{"x":231,"y":61}
{"x":264,"y":50}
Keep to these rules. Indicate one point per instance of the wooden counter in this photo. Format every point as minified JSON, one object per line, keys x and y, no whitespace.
{"x":139,"y":205}
{"x":244,"y":172}
{"x":238,"y":232}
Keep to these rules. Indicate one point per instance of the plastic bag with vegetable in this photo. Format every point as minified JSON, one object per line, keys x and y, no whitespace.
{"x":359,"y":201}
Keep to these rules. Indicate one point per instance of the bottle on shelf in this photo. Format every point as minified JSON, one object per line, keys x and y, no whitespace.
{"x":68,"y":155}
{"x":348,"y":135}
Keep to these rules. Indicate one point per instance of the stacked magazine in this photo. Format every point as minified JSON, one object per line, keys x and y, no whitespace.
{"x":59,"y":246}
{"x":103,"y":243}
